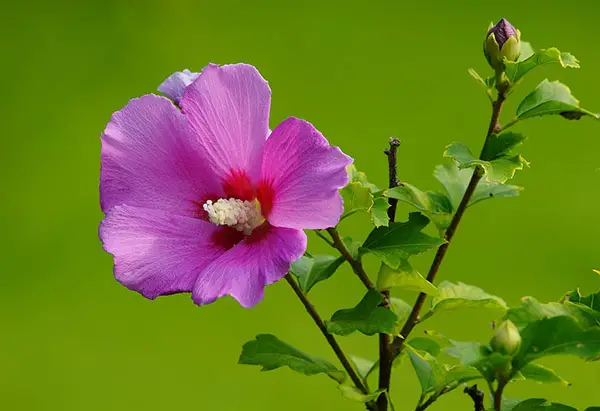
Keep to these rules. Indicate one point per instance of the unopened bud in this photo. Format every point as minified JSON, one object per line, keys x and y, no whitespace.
{"x":506,"y":339}
{"x":502,"y":41}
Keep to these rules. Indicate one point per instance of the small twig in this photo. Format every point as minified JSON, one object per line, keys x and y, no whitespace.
{"x":356,"y":265}
{"x":330,"y":338}
{"x":385,"y":354}
{"x":477,"y":396}
{"x":324,"y":238}
{"x":391,"y":154}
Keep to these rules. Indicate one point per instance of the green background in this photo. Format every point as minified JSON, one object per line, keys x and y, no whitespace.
{"x":72,"y":338}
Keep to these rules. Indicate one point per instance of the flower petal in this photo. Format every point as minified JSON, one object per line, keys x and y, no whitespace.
{"x":244,"y":270}
{"x":300,"y":178}
{"x":157,"y":253}
{"x":174,"y":86}
{"x":149,"y":160}
{"x":228,"y":108}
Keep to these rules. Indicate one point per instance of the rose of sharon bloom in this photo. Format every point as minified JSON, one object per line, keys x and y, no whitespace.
{"x":200,"y":200}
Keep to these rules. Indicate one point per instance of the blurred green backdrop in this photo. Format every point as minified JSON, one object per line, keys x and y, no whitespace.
{"x":74,"y":339}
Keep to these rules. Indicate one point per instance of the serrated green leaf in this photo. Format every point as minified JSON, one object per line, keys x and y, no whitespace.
{"x":527,"y":51}
{"x":552,"y":97}
{"x":312,"y":270}
{"x":360,"y":177}
{"x":271,"y":353}
{"x":436,"y":206}
{"x":354,"y":394}
{"x":538,"y":404}
{"x":426,"y":344}
{"x":455,"y":182}
{"x":396,"y":243}
{"x":430,"y":372}
{"x":589,"y":305}
{"x":367,"y":317}
{"x":531,"y":311}
{"x":402,"y":311}
{"x":467,"y":352}
{"x":496,"y":171}
{"x":460,"y":374}
{"x":557,"y":335}
{"x":352,"y":246}
{"x":363,"y":366}
{"x":404,"y":277}
{"x":541,"y":374}
{"x":500,"y":145}
{"x":463,"y":296}
{"x":592,"y":409}
{"x":516,"y":70}
{"x":379,"y":212}
{"x":356,"y":198}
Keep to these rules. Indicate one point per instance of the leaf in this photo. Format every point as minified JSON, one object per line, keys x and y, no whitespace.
{"x":402,"y":311}
{"x":531,"y":311}
{"x":541,"y":374}
{"x":591,"y":302}
{"x":352,"y":246}
{"x":404,"y":277}
{"x":436,"y":206}
{"x":552,"y":98}
{"x":356,"y":198}
{"x":456,"y":180}
{"x":468,"y":352}
{"x":526,"y":51}
{"x":538,"y":404}
{"x":463,"y":296}
{"x":460,"y":374}
{"x":270,"y":352}
{"x":396,"y":243}
{"x":355,"y":394}
{"x":426,"y":344}
{"x":516,"y":70}
{"x":312,"y":270}
{"x":379,"y":212}
{"x":430,"y":372}
{"x":360,"y":177}
{"x":500,"y":145}
{"x":496,"y":171}
{"x":363,"y":366}
{"x":557,"y":335}
{"x":367,"y":317}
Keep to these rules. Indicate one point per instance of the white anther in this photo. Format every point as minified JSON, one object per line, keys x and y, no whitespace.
{"x":241,"y":215}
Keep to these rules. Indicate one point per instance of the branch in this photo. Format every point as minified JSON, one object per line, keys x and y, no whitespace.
{"x":413,"y":318}
{"x":330,"y":338}
{"x":356,"y":265}
{"x":477,"y":396}
{"x":385,"y":354}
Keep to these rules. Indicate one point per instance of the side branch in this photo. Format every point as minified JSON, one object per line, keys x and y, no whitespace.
{"x":330,"y":338}
{"x":356,"y":265}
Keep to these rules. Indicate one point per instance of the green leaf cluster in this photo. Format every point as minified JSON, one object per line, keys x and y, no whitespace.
{"x":361,"y":196}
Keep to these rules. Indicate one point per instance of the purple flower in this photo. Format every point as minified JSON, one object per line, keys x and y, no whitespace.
{"x":200,"y":201}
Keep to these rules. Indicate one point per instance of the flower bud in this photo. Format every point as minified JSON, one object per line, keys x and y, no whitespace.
{"x":502,"y":41}
{"x":506,"y":339}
